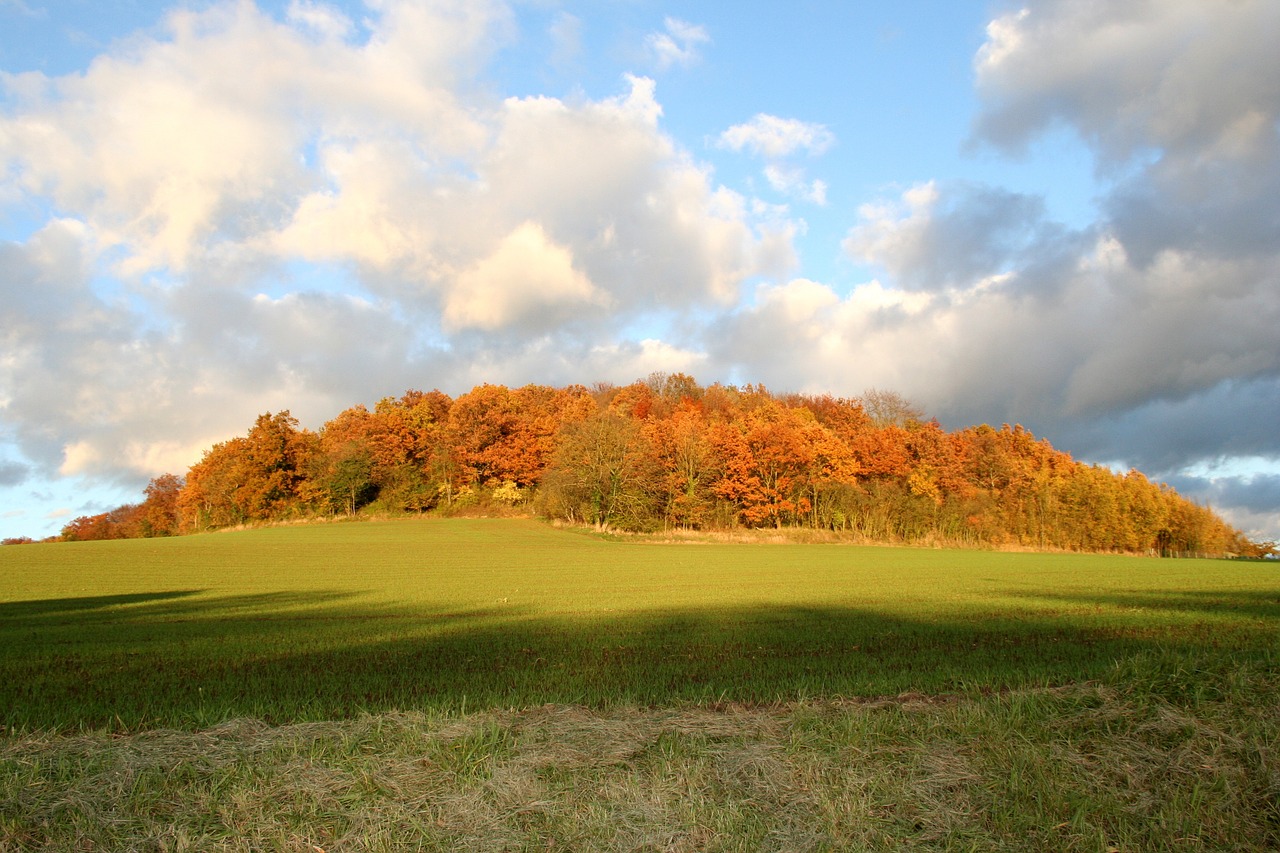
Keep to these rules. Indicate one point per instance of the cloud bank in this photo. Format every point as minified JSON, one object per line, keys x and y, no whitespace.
{"x":247,"y":212}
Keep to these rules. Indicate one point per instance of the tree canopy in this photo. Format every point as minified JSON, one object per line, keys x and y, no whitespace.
{"x":666,"y":453}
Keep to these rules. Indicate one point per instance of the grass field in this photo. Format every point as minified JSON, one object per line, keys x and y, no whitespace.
{"x":501,"y":684}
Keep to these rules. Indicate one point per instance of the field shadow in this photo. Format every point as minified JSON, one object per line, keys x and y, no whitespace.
{"x":1259,"y":604}
{"x":17,"y":610}
{"x":183,"y":659}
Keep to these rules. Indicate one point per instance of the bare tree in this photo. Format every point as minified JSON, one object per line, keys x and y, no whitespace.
{"x":889,"y":408}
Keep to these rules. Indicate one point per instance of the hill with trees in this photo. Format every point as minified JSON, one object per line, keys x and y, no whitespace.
{"x":667,"y":453}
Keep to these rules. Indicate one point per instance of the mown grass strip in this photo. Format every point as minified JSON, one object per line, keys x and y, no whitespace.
{"x":1172,"y":765}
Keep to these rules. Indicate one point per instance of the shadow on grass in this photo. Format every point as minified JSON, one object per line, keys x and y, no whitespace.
{"x":1257,"y":604}
{"x":18,"y":610}
{"x":178,"y":659}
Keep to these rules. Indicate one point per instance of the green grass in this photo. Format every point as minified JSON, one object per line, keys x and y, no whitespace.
{"x":329,"y":622}
{"x":503,"y":685}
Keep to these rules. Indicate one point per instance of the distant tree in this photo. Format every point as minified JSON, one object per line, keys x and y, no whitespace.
{"x":766,"y":458}
{"x":889,"y":408}
{"x":106,"y":525}
{"x":259,"y":477}
{"x":158,"y":515}
{"x":208,"y":498}
{"x":666,"y":452}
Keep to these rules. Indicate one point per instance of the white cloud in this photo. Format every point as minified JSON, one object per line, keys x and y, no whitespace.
{"x":527,"y":274}
{"x":624,"y":362}
{"x":321,"y":18}
{"x":79,"y":458}
{"x":791,"y":181}
{"x":678,"y":45}
{"x":200,"y":137}
{"x":773,"y":137}
{"x":478,"y":239}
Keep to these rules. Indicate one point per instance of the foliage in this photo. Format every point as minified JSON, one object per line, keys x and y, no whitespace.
{"x":158,"y":515}
{"x":666,"y":453}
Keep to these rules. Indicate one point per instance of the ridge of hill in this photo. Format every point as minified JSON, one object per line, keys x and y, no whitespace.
{"x":666,"y":453}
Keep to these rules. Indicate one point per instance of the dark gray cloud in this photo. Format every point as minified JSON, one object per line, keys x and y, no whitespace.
{"x":13,"y":473}
{"x":1256,"y":493}
{"x":1222,"y":207}
{"x":1180,"y":102}
{"x":1232,"y":419}
{"x":955,"y":234}
{"x":1137,"y":80}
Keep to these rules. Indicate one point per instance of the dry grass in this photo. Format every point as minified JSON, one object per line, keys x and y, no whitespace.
{"x":1090,"y":767}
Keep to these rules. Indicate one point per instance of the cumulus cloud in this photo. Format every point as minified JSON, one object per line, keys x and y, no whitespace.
{"x":775,"y":139}
{"x":791,"y":181}
{"x":526,"y":274}
{"x":677,"y":44}
{"x":1178,"y":100}
{"x":1175,"y":75}
{"x":320,"y":18}
{"x":932,"y":238}
{"x":474,"y":238}
{"x":1180,"y":103}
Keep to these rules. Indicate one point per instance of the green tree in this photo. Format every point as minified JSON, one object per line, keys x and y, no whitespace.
{"x":597,"y":474}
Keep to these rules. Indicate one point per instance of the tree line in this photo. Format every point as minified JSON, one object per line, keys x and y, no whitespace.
{"x":667,"y":453}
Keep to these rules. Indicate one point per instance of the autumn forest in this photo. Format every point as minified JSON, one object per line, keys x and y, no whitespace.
{"x":666,"y":453}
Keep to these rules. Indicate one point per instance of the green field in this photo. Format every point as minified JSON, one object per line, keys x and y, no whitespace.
{"x":325,"y":622}
{"x":505,"y":685}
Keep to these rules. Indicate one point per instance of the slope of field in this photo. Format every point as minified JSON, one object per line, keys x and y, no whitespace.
{"x":502,"y":685}
{"x":325,"y":622}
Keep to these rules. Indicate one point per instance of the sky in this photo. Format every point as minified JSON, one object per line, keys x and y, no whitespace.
{"x":1055,"y":213}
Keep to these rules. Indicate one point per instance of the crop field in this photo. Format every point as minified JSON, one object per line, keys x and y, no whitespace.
{"x":502,"y":684}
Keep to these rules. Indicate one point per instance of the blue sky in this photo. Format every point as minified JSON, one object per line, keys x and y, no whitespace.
{"x":1057,"y":214}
